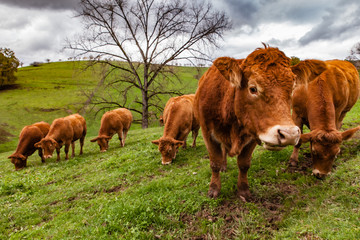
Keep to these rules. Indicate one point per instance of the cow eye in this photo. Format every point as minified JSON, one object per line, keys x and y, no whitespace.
{"x":253,"y":90}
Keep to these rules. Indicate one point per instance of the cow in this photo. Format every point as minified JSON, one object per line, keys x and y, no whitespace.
{"x":64,"y":131}
{"x":242,"y":103}
{"x":324,"y":93}
{"x":112,"y":122}
{"x":29,"y":135}
{"x":179,"y":120}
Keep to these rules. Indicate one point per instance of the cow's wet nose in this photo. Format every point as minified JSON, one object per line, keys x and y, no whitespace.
{"x":319,"y":175}
{"x":47,"y":156}
{"x":288,"y":135}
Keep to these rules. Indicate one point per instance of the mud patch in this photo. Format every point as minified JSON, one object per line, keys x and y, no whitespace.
{"x":4,"y":134}
{"x":118,"y":188}
{"x":9,"y":87}
{"x":232,"y":213}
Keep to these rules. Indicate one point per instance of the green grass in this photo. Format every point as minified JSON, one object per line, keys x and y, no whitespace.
{"x":125,"y":193}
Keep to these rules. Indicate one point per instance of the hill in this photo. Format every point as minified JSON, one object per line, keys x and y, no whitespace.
{"x":54,"y":90}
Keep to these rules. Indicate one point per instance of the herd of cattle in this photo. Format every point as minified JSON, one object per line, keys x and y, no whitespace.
{"x":238,"y":104}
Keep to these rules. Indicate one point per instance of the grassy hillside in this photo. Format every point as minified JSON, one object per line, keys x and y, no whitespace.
{"x":125,"y":193}
{"x":55,"y":90}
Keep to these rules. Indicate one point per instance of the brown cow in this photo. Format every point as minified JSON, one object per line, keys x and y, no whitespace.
{"x":241,"y":103}
{"x":179,"y":120}
{"x":64,"y":131}
{"x":29,"y":135}
{"x":324,"y":93}
{"x":112,"y":122}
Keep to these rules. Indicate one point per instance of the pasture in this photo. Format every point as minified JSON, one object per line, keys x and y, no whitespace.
{"x":125,"y":193}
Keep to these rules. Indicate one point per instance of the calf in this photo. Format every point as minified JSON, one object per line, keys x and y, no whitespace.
{"x":64,"y":131}
{"x":112,"y":122}
{"x":324,"y":93}
{"x":179,"y":120}
{"x":29,"y":135}
{"x":241,"y":103}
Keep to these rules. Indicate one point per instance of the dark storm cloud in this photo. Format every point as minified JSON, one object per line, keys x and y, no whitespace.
{"x":340,"y":22}
{"x":42,"y":4}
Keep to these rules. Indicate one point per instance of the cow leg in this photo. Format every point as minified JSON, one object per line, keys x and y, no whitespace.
{"x":121,"y":138}
{"x":125,"y":135}
{"x":195,"y":133}
{"x":58,"y":154}
{"x":67,"y":146}
{"x":73,"y":149}
{"x":243,"y":161}
{"x":41,"y":155}
{"x":295,"y":154}
{"x":81,"y":145}
{"x":217,"y":160}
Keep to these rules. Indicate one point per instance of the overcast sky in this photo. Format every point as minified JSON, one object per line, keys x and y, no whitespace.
{"x":36,"y":29}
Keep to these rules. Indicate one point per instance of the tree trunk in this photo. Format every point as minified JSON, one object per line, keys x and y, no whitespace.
{"x":145,"y":109}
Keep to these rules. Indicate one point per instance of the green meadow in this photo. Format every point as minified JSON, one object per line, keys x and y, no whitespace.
{"x":125,"y":193}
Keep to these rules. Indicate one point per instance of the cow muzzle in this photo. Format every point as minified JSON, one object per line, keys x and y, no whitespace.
{"x":320,"y":175}
{"x":279,"y":136}
{"x":47,"y":156}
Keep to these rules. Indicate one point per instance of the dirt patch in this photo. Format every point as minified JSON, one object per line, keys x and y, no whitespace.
{"x":231,"y":212}
{"x":9,"y":87}
{"x":49,"y":109}
{"x":118,"y":188}
{"x":4,"y":134}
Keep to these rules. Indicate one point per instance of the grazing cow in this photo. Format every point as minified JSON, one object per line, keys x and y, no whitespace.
{"x":241,"y":103}
{"x":179,"y":120}
{"x":324,"y":93}
{"x":64,"y":131}
{"x":29,"y":135}
{"x":112,"y":122}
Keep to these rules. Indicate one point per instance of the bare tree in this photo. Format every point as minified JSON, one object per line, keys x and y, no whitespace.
{"x":139,"y":38}
{"x":354,"y":56}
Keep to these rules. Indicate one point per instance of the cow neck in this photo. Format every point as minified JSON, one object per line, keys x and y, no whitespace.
{"x":171,"y":129}
{"x":321,"y":110}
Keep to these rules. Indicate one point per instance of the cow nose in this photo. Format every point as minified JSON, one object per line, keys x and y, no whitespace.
{"x":320,"y":175}
{"x":288,"y":135}
{"x":47,"y":156}
{"x":103,"y":150}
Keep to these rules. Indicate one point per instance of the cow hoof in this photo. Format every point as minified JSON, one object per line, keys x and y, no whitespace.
{"x":292,"y":163}
{"x":212,"y":193}
{"x":245,"y":196}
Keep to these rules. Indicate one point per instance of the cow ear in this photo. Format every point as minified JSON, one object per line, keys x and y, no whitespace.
{"x":306,"y":137}
{"x":37,"y":145}
{"x":230,"y":69}
{"x":349,"y":133}
{"x":179,"y":143}
{"x":156,"y":142}
{"x":11,"y":156}
{"x":94,"y":139}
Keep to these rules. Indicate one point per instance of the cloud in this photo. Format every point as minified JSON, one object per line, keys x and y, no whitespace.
{"x":340,"y":22}
{"x":42,"y":4}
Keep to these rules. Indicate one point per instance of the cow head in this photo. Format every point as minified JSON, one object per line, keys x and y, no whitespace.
{"x":18,"y":160}
{"x":325,"y":146}
{"x":263,"y":85}
{"x":48,"y":145}
{"x":102,"y":141}
{"x":168,"y":148}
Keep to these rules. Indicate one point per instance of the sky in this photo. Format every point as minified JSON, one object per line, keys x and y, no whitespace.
{"x":36,"y":30}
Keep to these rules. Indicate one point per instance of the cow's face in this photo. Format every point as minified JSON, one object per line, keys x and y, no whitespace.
{"x":18,"y":160}
{"x":168,"y":148}
{"x":325,"y":146}
{"x":102,"y":141}
{"x":48,"y":145}
{"x":263,"y":85}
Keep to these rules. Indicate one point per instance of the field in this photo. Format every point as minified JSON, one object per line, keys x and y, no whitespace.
{"x":125,"y":193}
